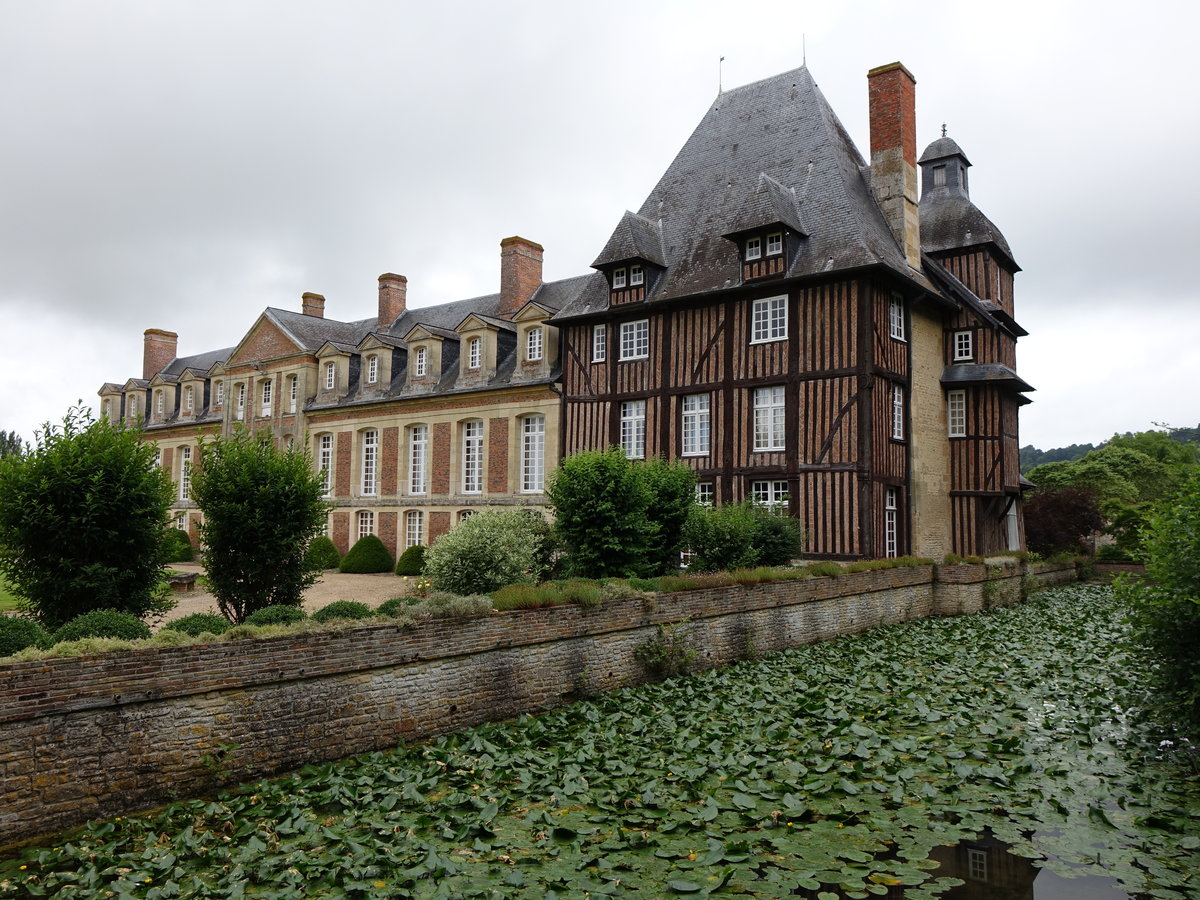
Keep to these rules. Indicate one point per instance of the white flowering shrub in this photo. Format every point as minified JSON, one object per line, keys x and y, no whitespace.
{"x":484,"y":552}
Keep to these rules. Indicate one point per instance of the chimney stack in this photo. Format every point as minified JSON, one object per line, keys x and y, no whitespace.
{"x":520,"y":273}
{"x":393,"y":295}
{"x":158,"y":350}
{"x":893,"y":108}
{"x":312,"y":305}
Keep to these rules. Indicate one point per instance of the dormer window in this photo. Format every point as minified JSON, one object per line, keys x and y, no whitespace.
{"x":939,"y":176}
{"x":420,"y":361}
{"x":474,"y":353}
{"x":372,"y":369}
{"x":753,"y":248}
{"x":636,"y":275}
{"x":775,"y":243}
{"x":158,"y":400}
{"x":133,"y":406}
{"x":187,"y":399}
{"x":533,"y":345}
{"x":618,"y":278}
{"x":220,"y":393}
{"x":330,"y":375}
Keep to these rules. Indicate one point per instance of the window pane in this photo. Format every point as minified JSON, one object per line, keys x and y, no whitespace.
{"x":473,"y":458}
{"x":696,"y":426}
{"x":533,"y":453}
{"x":418,"y":458}
{"x":633,"y":429}
{"x":599,"y":342}
{"x":369,"y":461}
{"x":769,"y":319}
{"x":769,"y":418}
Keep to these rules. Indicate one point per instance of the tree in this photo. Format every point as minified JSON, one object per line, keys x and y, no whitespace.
{"x":484,"y":552}
{"x":11,"y":444}
{"x":261,"y":506}
{"x":1059,"y":520}
{"x":83,"y":518}
{"x":670,"y":498}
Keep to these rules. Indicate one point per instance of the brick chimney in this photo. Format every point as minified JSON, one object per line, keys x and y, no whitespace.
{"x":393,"y":295}
{"x":312,"y":305}
{"x":158,"y":349}
{"x":893,"y":107}
{"x":520,"y":273}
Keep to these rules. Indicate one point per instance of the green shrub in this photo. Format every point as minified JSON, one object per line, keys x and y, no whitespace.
{"x":102,"y":623}
{"x":483,"y":553}
{"x":84,"y":522}
{"x":179,"y":546}
{"x":721,"y":538}
{"x":262,"y":506}
{"x":368,"y":556}
{"x":670,"y":489}
{"x":200,"y":623}
{"x":343,"y":609}
{"x":411,"y":561}
{"x":444,"y":605}
{"x":276,"y":615}
{"x":321,"y":554}
{"x":529,"y":596}
{"x":668,"y":652}
{"x":778,"y":538}
{"x":17,"y":633}
{"x":397,"y":607}
{"x":825,"y":569}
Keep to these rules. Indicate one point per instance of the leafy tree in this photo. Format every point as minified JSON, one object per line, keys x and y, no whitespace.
{"x":1059,"y":520}
{"x":261,"y":505}
{"x":1166,"y":607}
{"x":11,"y":444}
{"x":83,"y":517}
{"x":484,"y":552}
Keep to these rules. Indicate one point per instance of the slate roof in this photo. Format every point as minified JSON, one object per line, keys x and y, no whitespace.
{"x":201,"y":362}
{"x":636,"y":237}
{"x":949,"y":219}
{"x":781,"y":127}
{"x":311,"y":332}
{"x":983,"y":373}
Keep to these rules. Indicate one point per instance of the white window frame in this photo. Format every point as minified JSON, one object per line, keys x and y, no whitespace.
{"x":897,"y":412}
{"x":772,"y":494}
{"x":159,"y":402}
{"x":158,"y":456}
{"x":133,"y":406}
{"x":370,"y":463}
{"x":268,"y":389}
{"x":414,"y":528}
{"x":599,"y":343}
{"x":293,"y":392}
{"x":706,"y":493}
{"x":533,"y":454}
{"x":472,"y":457}
{"x":239,"y":411}
{"x":891,"y":527}
{"x":633,"y":428}
{"x":636,"y":275}
{"x":896,"y":317}
{"x":696,"y":424}
{"x":533,"y":344}
{"x":753,"y":248}
{"x":330,"y":375}
{"x":618,"y":278}
{"x":775,"y":243}
{"x":220,"y":394}
{"x":420,"y":362}
{"x":325,"y":462}
{"x":770,"y":417}
{"x":956,"y":413}
{"x":366,"y":523}
{"x":372,"y":368}
{"x":768,"y":319}
{"x":635,"y":339}
{"x":474,"y":353}
{"x":418,"y":459}
{"x":187,"y":399}
{"x":185,"y":473}
{"x":964,"y":346}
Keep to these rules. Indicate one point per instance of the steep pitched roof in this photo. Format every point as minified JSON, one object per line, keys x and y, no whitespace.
{"x":635,"y":237}
{"x":200,"y":362}
{"x":310,"y":332}
{"x":781,"y":127}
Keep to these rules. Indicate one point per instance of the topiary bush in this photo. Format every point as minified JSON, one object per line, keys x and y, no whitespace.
{"x":200,"y":623}
{"x":411,"y":561}
{"x":483,"y":553}
{"x":368,"y":556}
{"x":179,"y":546}
{"x":102,"y":623}
{"x":343,"y":609}
{"x":321,"y":554}
{"x":17,"y":633}
{"x":276,"y":615}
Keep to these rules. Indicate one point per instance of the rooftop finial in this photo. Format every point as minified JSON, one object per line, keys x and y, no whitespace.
{"x":943,"y":129}
{"x":720,"y":68}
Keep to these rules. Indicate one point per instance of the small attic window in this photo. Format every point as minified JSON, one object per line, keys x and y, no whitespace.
{"x":636,"y":275}
{"x":939,"y":176}
{"x":754,"y":248}
{"x":372,"y":369}
{"x":419,"y":363}
{"x":618,"y":278}
{"x":775,"y":243}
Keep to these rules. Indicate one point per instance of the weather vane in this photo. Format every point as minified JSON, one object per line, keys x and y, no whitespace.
{"x":943,"y":129}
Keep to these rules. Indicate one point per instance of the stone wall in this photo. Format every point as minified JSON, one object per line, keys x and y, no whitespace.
{"x":105,"y":735}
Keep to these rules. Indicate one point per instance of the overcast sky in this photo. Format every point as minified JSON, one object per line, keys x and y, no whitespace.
{"x":182,"y":165}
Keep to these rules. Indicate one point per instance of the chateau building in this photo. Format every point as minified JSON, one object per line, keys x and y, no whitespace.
{"x":786,"y":317}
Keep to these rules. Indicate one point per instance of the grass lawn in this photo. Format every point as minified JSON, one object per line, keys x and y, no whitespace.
{"x":7,"y":600}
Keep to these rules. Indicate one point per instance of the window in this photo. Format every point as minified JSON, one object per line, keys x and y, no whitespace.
{"x":633,"y":429}
{"x":220,"y":393}
{"x":266,"y":398}
{"x":705,"y":493}
{"x":618,"y":279}
{"x":464,"y":514}
{"x":753,"y":248}
{"x":771,"y":494}
{"x":106,"y":409}
{"x":418,"y":456}
{"x":956,"y":413}
{"x":240,"y":412}
{"x":964,"y":346}
{"x":890,"y":542}
{"x":158,"y":456}
{"x":158,"y":401}
{"x":370,"y":461}
{"x":939,"y":176}
{"x":636,"y":275}
{"x":768,"y":320}
{"x":133,"y":406}
{"x":897,"y":412}
{"x":533,"y":345}
{"x":774,"y":244}
{"x":635,"y":339}
{"x":325,"y":461}
{"x":366,"y":523}
{"x":293,"y":392}
{"x":768,"y":418}
{"x":289,"y":443}
{"x":533,"y":454}
{"x":474,"y":353}
{"x":472,"y":456}
{"x":977,"y":869}
{"x":414,"y":528}
{"x":419,"y":363}
{"x":372,"y":369}
{"x":896,"y":317}
{"x":330,"y":375}
{"x":187,"y":398}
{"x":599,"y":343}
{"x":185,"y":473}
{"x":697,"y":425}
